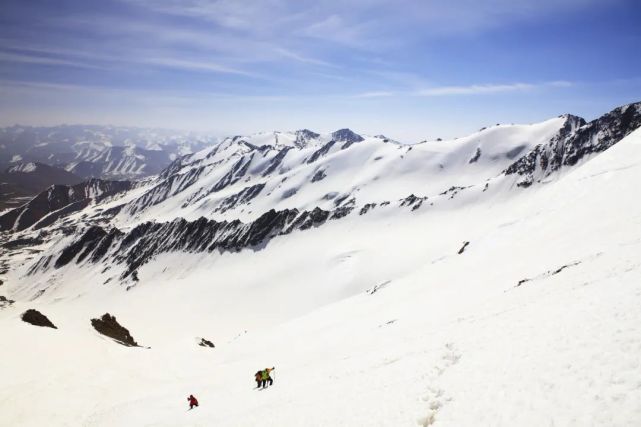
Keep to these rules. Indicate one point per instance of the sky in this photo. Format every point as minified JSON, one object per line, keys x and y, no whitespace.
{"x":409,"y":69}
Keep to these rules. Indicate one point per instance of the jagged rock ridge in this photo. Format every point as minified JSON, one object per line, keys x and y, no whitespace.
{"x":149,"y":239}
{"x":575,"y":142}
{"x":60,"y":200}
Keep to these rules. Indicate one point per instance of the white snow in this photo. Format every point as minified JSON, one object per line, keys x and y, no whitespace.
{"x":371,"y":171}
{"x":448,"y":340}
{"x":23,"y":168}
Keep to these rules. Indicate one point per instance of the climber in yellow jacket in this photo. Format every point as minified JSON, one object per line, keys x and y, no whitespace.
{"x":266,"y":377}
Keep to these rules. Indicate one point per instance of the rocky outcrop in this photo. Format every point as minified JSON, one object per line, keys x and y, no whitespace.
{"x":304,"y":136}
{"x":413,"y":201}
{"x":108,"y":326}
{"x":276,"y":161}
{"x":465,"y":244}
{"x":5,"y":302}
{"x":206,"y":343}
{"x":321,"y":152}
{"x":576,"y":141}
{"x":237,"y":171}
{"x":34,"y":317}
{"x":149,"y":239}
{"x":171,"y":186}
{"x":347,"y":137}
{"x":22,"y":243}
{"x":242,"y":197}
{"x":319,"y":175}
{"x":476,"y":157}
{"x":367,"y":208}
{"x":88,"y":243}
{"x":61,"y":200}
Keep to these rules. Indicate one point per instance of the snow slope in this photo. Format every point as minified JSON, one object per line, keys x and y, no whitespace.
{"x":244,"y":177}
{"x":372,"y":320}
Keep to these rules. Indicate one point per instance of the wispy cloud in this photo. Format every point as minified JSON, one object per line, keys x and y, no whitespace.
{"x":375,"y":94}
{"x":484,"y":89}
{"x":8,"y":57}
{"x":286,"y":53}
{"x":195,"y":65}
{"x":185,"y":97}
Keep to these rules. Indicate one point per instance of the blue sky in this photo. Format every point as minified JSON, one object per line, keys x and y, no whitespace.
{"x":410,"y":69}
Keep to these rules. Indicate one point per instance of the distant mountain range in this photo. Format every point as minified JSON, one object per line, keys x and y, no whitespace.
{"x":33,"y":158}
{"x":98,"y":151}
{"x":22,"y":181}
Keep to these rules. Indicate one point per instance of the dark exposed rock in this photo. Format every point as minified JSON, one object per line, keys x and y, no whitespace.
{"x":366,"y":208}
{"x":276,"y":161}
{"x":36,"y":318}
{"x":5,"y":302}
{"x":289,"y":193}
{"x":206,"y":343}
{"x":452,"y":191}
{"x":108,"y":325}
{"x":242,"y":197}
{"x":236,"y":172}
{"x":378,"y":287}
{"x":344,"y":200}
{"x":66,"y":211}
{"x":175,"y":166}
{"x":87,"y":243}
{"x":319,"y":175}
{"x":104,"y":245}
{"x":41,"y":264}
{"x":147,"y":240}
{"x":308,"y":220}
{"x":548,"y":273}
{"x":303,"y":136}
{"x":171,"y":186}
{"x":21,"y":243}
{"x":57,"y":197}
{"x":112,"y":212}
{"x":413,"y":201}
{"x":321,"y":152}
{"x":346,"y":136}
{"x":476,"y":157}
{"x":460,"y":251}
{"x":341,"y":212}
{"x":576,"y":141}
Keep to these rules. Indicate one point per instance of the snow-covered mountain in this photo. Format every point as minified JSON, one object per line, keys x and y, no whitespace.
{"x":99,"y":151}
{"x":59,"y":201}
{"x":22,"y":181}
{"x":442,"y":283}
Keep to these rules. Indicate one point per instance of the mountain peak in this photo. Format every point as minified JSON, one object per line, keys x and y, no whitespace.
{"x":303,"y":136}
{"x":346,"y":135}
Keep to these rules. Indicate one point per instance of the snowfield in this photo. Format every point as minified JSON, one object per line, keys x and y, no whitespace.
{"x":370,"y":320}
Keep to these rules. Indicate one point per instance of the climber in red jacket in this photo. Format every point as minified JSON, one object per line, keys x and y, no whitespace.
{"x":192,"y":401}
